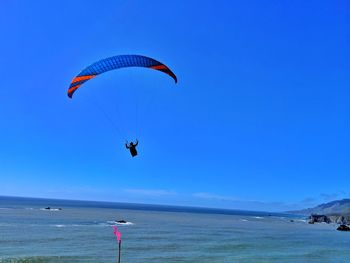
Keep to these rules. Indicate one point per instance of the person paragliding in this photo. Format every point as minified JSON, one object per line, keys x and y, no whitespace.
{"x":117,"y":62}
{"x":132,"y":147}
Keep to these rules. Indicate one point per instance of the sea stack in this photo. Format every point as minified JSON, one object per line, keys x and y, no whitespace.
{"x":343,"y":228}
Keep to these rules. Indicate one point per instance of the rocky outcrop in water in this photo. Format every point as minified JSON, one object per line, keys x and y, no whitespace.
{"x":337,"y":219}
{"x":337,"y":212}
{"x":319,"y":219}
{"x":343,"y":228}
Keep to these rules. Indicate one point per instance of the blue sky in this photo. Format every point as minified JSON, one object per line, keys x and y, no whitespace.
{"x":259,"y":120}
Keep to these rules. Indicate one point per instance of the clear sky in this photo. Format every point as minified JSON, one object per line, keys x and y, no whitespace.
{"x":259,"y":119}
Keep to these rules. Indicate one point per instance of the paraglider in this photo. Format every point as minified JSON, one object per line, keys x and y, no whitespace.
{"x":132,"y":147}
{"x":117,"y":62}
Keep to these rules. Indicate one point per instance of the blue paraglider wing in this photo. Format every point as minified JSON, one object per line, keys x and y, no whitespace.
{"x":116,"y":62}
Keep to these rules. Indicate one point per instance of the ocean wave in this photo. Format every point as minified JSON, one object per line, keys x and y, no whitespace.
{"x":70,"y":225}
{"x":51,"y":209}
{"x":7,"y":224}
{"x":111,"y":223}
{"x":59,"y":225}
{"x":124,"y":224}
{"x":40,"y":259}
{"x":83,"y":224}
{"x":103,"y":224}
{"x":302,"y":220}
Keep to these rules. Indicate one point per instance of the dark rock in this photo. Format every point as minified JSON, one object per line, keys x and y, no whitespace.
{"x":121,"y":221}
{"x":343,"y":228}
{"x":48,"y":208}
{"x":319,"y":219}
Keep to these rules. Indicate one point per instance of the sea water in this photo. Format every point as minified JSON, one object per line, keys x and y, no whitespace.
{"x":83,"y":232}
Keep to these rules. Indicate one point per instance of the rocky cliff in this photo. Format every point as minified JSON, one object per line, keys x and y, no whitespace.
{"x":338,"y":219}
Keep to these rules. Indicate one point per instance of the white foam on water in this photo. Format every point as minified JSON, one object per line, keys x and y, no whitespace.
{"x":124,"y":224}
{"x":51,"y":209}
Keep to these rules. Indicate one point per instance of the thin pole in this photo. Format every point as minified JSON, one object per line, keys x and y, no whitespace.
{"x":120,"y":248}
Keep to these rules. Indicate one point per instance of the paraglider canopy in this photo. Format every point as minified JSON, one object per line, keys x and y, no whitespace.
{"x":116,"y":62}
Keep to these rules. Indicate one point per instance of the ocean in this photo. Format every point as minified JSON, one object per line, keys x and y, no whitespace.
{"x":81,"y":231}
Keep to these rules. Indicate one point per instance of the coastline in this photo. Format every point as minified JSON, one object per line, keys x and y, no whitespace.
{"x":85,"y":234}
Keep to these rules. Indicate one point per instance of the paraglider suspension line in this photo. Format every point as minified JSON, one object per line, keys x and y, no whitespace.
{"x":115,"y":127}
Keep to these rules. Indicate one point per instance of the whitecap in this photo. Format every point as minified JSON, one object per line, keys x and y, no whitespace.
{"x":123,"y":224}
{"x":51,"y":209}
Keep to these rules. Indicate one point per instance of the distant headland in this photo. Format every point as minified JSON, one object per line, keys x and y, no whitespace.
{"x":337,"y":212}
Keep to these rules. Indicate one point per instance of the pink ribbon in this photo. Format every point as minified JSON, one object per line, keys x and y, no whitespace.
{"x":117,"y":233}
